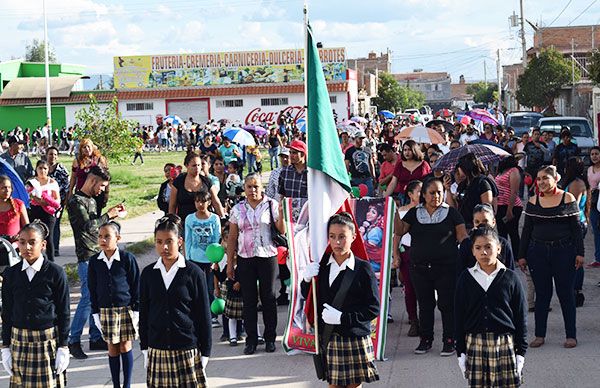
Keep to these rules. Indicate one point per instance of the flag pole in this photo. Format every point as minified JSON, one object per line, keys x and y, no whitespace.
{"x":313,"y":281}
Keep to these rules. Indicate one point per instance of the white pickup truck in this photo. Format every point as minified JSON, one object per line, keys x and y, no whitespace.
{"x":424,"y":113}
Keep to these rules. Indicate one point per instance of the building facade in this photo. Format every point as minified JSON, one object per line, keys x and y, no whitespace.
{"x":435,"y":86}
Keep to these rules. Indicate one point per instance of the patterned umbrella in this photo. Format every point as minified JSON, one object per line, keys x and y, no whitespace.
{"x":258,"y":130}
{"x":482,"y":115}
{"x":301,"y":124}
{"x":239,"y":136}
{"x":420,"y":134}
{"x":173,"y":120}
{"x":360,"y":120}
{"x":485,"y":152}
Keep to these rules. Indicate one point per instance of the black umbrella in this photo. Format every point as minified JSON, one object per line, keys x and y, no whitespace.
{"x":448,"y":126}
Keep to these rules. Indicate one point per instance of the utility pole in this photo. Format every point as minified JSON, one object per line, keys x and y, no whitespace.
{"x":498,"y":70}
{"x":485,"y":72}
{"x":523,"y":41}
{"x":47,"y":71}
{"x":573,"y":76}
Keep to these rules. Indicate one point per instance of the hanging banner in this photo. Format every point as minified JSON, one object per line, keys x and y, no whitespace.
{"x":375,"y":218}
{"x":223,"y":68}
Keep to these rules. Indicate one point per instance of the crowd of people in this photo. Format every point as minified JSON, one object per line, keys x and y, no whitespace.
{"x":457,"y":245}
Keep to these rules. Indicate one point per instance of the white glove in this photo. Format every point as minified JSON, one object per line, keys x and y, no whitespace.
{"x":7,"y":360}
{"x":204,"y":361}
{"x":462,"y":364}
{"x":310,"y":271}
{"x":97,"y":323}
{"x":520,"y":364}
{"x":135,"y":319}
{"x":145,"y":354}
{"x":331,"y":316}
{"x":62,"y":360}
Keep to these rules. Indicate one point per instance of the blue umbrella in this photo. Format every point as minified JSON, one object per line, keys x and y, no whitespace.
{"x":18,"y":188}
{"x":387,"y":114}
{"x":173,"y":120}
{"x":301,"y":124}
{"x":239,"y":136}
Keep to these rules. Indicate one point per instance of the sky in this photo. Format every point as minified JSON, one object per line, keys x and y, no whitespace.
{"x":455,"y":36}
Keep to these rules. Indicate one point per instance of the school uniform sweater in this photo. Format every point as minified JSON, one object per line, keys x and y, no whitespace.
{"x":502,"y":309}
{"x":361,"y":305}
{"x":178,"y":318}
{"x":37,"y":305}
{"x":118,"y":286}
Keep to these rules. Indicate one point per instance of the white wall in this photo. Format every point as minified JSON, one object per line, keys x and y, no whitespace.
{"x":144,"y":117}
{"x":70,"y":111}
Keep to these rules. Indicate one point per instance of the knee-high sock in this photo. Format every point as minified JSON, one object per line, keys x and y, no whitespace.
{"x":115,"y":370}
{"x":127,"y":368}
{"x":232,"y":328}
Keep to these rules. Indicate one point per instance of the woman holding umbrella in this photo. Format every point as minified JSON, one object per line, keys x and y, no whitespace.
{"x":411,"y":167}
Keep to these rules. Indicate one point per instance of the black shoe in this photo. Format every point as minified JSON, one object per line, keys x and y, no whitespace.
{"x":448,"y":348}
{"x":76,"y":351}
{"x":249,"y":349}
{"x":233,"y":342}
{"x":424,"y":346}
{"x":413,"y":331}
{"x":260,"y":340}
{"x":270,"y":347}
{"x":390,"y":319}
{"x":579,"y":299}
{"x":98,"y":345}
{"x":283,"y":300}
{"x":56,"y":253}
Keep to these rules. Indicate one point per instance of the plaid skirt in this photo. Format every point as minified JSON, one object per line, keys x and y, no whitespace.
{"x":174,"y":368}
{"x":350,"y":360}
{"x":233,"y":306}
{"x":117,"y":324}
{"x":491,"y":361}
{"x":34,"y":358}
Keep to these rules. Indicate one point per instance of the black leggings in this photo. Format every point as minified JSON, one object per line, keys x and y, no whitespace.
{"x":511,"y":228}
{"x":37,"y":213}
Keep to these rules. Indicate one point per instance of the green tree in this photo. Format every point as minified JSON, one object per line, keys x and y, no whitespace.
{"x":393,"y":97}
{"x":594,"y":67}
{"x":108,"y":130}
{"x":483,"y":94}
{"x":543,"y":78}
{"x":34,"y":52}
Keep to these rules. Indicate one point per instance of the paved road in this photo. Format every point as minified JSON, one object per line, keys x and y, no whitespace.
{"x":550,"y":366}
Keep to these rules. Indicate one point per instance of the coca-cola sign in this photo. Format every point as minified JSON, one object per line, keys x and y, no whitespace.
{"x":257,"y":115}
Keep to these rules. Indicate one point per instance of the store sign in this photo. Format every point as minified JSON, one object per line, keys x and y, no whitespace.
{"x":257,"y":115}
{"x":224,"y":68}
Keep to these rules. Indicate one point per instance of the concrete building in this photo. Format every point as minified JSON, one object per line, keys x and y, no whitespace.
{"x":458,"y":93}
{"x":367,"y":71}
{"x":435,"y":86}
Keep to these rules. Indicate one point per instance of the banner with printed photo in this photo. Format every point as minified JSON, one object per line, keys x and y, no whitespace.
{"x":223,"y":68}
{"x":375,"y":219}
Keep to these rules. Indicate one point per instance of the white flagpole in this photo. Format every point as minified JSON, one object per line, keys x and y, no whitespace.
{"x":47,"y":71}
{"x":313,"y":281}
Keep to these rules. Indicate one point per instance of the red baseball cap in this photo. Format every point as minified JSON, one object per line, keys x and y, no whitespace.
{"x":299,"y":146}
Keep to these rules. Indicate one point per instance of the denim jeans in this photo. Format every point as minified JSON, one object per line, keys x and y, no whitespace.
{"x":595,"y":221}
{"x":367,"y":181}
{"x":251,"y":159}
{"x":548,"y":262}
{"x":273,"y":154}
{"x":84,"y":309}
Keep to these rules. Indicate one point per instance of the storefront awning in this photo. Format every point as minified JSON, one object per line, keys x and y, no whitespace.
{"x":35,"y":87}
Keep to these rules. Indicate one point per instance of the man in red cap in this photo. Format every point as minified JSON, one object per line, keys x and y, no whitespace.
{"x":293,"y":180}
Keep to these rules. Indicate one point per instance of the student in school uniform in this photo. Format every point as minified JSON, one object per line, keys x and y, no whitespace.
{"x":35,"y":315}
{"x":490,"y":317}
{"x":114,"y":282}
{"x":175,"y":323}
{"x":349,"y":350}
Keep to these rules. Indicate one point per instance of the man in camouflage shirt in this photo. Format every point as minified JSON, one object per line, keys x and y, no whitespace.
{"x":85,"y":222}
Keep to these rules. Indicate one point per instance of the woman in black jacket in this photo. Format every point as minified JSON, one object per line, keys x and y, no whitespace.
{"x":175,"y":323}
{"x":349,"y":351}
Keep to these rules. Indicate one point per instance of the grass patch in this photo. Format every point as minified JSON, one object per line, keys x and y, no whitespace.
{"x":72,"y":274}
{"x":141,"y":247}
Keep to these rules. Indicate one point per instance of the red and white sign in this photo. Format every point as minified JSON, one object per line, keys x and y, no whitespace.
{"x":258,"y":115}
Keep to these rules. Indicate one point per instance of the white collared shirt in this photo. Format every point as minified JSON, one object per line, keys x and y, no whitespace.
{"x":31,"y":270}
{"x":485,"y":280}
{"x":111,"y":260}
{"x":169,"y":275}
{"x":335,"y":269}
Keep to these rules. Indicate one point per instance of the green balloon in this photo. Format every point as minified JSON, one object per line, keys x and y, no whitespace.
{"x":215,"y":253}
{"x":356,"y":192}
{"x":217,"y":306}
{"x":287,"y":282}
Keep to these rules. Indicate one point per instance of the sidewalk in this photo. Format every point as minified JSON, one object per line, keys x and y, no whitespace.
{"x":549,"y":366}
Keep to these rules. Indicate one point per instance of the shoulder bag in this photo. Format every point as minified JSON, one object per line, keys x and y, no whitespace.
{"x":279,"y":239}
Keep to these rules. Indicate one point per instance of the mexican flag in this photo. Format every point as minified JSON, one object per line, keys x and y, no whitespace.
{"x":328,"y":182}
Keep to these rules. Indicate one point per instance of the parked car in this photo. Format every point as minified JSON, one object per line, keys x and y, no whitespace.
{"x":580,"y":128}
{"x":522,"y":121}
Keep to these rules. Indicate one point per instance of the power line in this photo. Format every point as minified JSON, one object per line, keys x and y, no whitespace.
{"x":582,"y":12}
{"x":561,"y":12}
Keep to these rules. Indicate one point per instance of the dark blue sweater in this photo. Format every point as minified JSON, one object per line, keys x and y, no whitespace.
{"x":177,"y":318}
{"x":117,"y":287}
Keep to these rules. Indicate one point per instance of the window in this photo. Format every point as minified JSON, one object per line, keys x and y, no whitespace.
{"x":274,"y":101}
{"x":140,"y":106}
{"x":333,"y":99}
{"x":230,"y":103}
